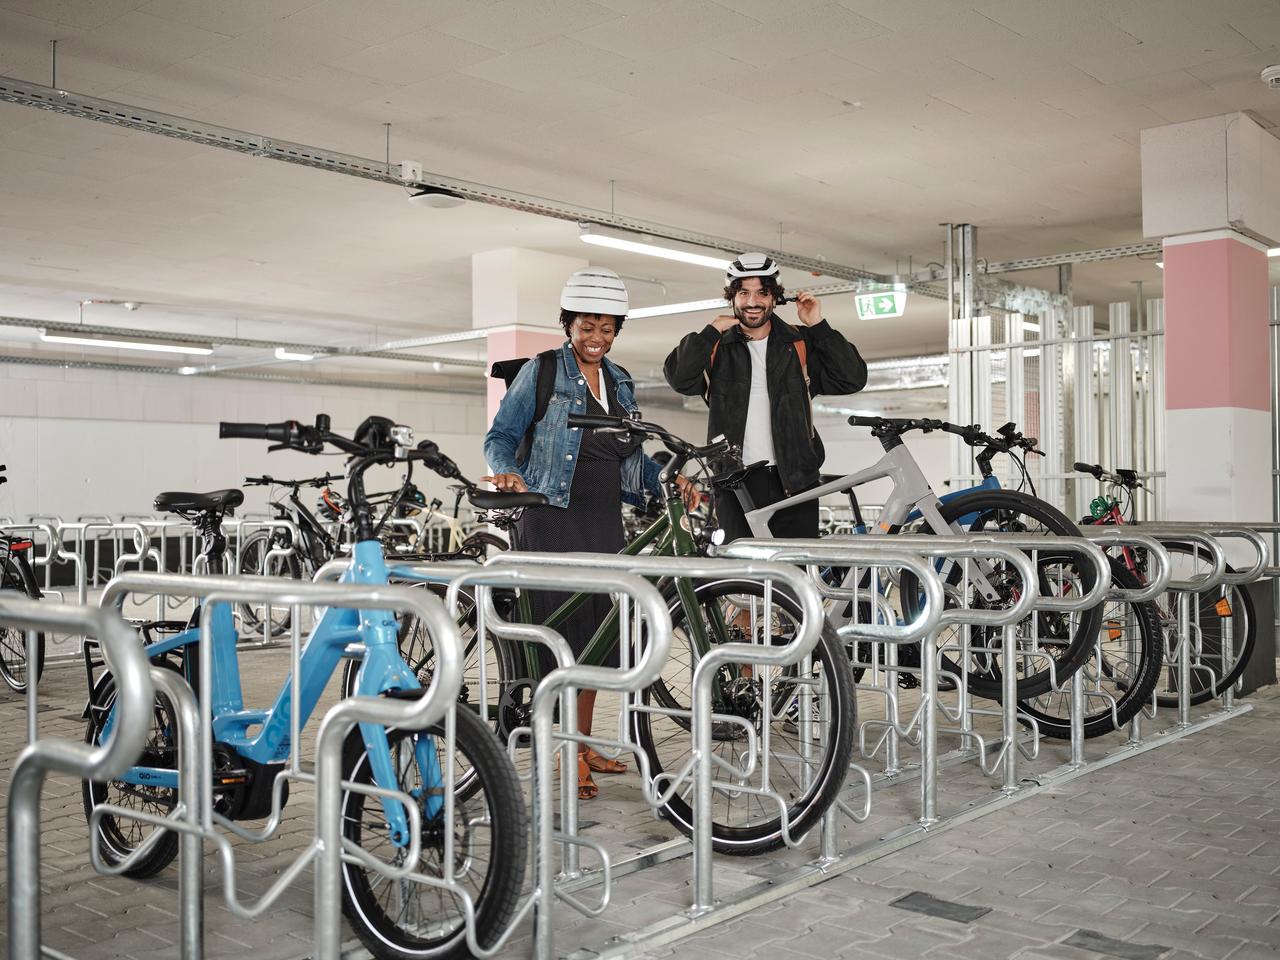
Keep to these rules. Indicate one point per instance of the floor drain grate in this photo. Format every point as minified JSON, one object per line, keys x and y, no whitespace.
{"x":918,"y":902}
{"x":1101,"y":943}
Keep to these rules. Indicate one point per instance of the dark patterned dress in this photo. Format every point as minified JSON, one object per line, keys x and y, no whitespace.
{"x":592,"y":523}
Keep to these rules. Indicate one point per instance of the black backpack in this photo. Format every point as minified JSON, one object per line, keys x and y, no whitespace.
{"x":506,"y":370}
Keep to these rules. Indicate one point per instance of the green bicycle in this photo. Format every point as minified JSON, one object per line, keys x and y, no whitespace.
{"x":806,"y":757}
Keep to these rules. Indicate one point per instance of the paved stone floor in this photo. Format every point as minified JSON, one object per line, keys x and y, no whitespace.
{"x":1174,"y":852}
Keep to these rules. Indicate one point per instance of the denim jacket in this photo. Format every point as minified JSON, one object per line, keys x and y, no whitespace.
{"x":554,"y":452}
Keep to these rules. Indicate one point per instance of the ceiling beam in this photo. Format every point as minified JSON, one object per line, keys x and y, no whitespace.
{"x":144,"y":120}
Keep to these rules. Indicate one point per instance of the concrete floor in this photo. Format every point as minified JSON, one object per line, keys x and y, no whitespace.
{"x":1172,"y":852}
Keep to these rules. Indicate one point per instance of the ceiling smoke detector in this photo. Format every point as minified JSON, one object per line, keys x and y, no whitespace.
{"x":1271,"y":76}
{"x":435,"y":197}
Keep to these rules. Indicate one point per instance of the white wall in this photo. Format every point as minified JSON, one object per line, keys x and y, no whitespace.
{"x":88,"y":441}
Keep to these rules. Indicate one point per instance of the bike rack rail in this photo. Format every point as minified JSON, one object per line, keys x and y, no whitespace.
{"x":42,"y":757}
{"x":326,"y":847}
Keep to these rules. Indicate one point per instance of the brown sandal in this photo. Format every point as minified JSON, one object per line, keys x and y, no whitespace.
{"x":587,"y":789}
{"x":600,"y":763}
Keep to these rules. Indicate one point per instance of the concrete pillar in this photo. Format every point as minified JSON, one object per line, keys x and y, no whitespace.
{"x":1217,"y":390}
{"x":515,"y":293}
{"x":1208,"y":189}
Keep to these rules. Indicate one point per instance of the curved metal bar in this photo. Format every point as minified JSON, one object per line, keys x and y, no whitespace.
{"x":862,"y":554}
{"x":1191,"y":533}
{"x":1256,"y":569}
{"x":1158,"y":566}
{"x":39,"y":759}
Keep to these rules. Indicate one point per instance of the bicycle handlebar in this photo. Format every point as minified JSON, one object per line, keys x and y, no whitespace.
{"x":716,"y":448}
{"x":972,"y":434}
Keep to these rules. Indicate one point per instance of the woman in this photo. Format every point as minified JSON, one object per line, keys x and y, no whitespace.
{"x":585,"y":475}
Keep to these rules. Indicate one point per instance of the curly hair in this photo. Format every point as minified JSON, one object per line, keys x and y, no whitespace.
{"x":568,"y":316}
{"x":769,"y":285}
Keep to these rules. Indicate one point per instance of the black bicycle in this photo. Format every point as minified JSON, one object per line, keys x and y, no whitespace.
{"x":16,"y":575}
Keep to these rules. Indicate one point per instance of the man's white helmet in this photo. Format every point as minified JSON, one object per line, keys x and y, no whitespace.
{"x":751,"y":265}
{"x":595,"y":290}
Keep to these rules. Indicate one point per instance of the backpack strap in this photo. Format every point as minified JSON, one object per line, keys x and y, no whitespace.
{"x":545,"y":389}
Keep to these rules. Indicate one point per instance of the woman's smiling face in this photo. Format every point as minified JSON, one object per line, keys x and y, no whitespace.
{"x":592,"y":335}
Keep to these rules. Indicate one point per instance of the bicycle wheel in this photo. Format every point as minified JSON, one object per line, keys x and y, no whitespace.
{"x":1064,"y":638}
{"x":118,"y":836}
{"x":407,"y":919}
{"x":1221,"y":617}
{"x":256,"y":560}
{"x":1119,"y":676}
{"x":15,"y":575}
{"x":807,"y":756}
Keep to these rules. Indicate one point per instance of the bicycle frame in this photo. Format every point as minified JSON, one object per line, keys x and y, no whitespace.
{"x":262,"y":736}
{"x":669,"y":535}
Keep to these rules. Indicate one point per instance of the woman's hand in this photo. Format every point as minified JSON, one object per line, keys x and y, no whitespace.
{"x":689,"y":492}
{"x":507,"y":482}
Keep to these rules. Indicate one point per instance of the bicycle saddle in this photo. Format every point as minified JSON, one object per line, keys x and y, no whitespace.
{"x":496,"y":500}
{"x":185,"y":502}
{"x":732,"y":478}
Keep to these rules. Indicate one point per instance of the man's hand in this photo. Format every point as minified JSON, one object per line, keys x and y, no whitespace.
{"x":808,"y":309}
{"x":724,"y":324}
{"x":507,"y":482}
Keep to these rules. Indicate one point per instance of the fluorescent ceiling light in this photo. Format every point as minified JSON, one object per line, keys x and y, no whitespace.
{"x":124,"y":343}
{"x":690,"y":306}
{"x":1274,"y":252}
{"x":283,"y":354}
{"x":595,"y":236}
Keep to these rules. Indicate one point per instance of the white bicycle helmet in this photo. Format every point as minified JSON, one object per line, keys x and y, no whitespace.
{"x":595,"y":290}
{"x":751,"y":265}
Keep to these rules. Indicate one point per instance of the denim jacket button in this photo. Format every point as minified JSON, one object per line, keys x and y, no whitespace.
{"x":581,"y":382}
{"x":579,"y":400}
{"x":568,"y":456}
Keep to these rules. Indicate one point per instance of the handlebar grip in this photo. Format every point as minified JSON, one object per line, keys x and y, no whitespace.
{"x":1093,"y":469}
{"x":595,"y":421}
{"x":860,"y":421}
{"x":275,"y":432}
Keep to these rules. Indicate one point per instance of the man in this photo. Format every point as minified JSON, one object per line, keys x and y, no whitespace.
{"x":757,"y":375}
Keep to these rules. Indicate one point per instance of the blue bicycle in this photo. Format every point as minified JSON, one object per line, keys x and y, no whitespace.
{"x":393,"y":918}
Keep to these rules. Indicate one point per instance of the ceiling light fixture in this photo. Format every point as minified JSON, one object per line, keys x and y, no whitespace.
{"x":666,"y":309}
{"x":435,"y":197}
{"x":283,"y":354}
{"x":599,"y":237}
{"x":88,"y":339}
{"x":1274,"y":252}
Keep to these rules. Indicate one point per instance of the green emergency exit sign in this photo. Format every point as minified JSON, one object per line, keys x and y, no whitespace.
{"x":886,"y":303}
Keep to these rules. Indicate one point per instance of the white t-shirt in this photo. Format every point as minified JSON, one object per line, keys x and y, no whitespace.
{"x":757,"y":441}
{"x":600,"y":385}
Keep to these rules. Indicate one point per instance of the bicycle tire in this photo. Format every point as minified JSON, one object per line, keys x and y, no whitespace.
{"x":1244,"y":632}
{"x":1066,"y":637}
{"x":118,"y":837}
{"x":1124,"y":666}
{"x":14,"y":669}
{"x":814,"y":785}
{"x":252,"y":557}
{"x":496,"y":806}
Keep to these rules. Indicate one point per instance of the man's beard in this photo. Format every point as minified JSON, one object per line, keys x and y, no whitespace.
{"x":752,"y":324}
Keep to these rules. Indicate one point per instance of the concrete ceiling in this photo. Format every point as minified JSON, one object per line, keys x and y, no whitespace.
{"x":846,"y":130}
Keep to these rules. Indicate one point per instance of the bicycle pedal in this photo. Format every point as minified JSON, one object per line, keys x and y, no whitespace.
{"x":230,"y":778}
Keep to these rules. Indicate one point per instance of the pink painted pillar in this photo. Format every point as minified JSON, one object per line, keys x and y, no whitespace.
{"x":1217,"y":375}
{"x":508,"y":342}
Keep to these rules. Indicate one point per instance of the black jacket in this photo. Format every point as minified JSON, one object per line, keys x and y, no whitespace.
{"x":835,"y":368}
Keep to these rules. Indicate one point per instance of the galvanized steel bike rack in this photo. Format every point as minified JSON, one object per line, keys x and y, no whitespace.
{"x":43,"y":757}
{"x":197,"y":820}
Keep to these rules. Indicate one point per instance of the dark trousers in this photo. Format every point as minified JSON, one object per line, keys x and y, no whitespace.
{"x":761,"y":488}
